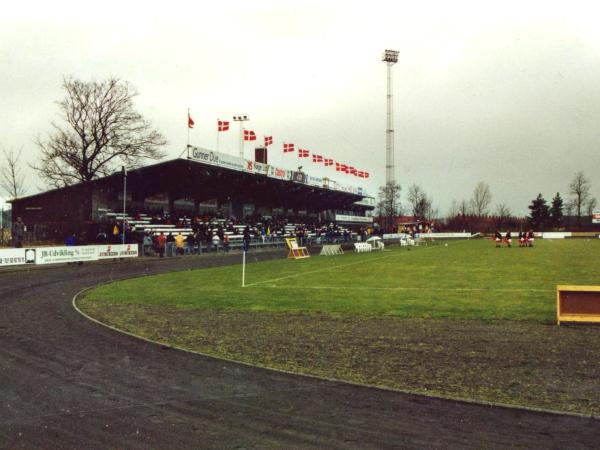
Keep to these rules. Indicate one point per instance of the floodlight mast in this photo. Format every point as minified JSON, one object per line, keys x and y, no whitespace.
{"x":241,"y":118}
{"x":390,"y":57}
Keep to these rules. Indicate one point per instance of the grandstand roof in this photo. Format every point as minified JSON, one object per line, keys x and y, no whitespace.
{"x":192,"y":179}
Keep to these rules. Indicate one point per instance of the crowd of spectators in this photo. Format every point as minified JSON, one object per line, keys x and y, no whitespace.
{"x":214,"y":232}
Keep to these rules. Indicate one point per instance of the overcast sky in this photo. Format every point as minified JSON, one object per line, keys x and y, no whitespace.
{"x":502,"y":92}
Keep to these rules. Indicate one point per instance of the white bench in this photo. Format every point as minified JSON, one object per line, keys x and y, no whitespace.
{"x":362,"y":247}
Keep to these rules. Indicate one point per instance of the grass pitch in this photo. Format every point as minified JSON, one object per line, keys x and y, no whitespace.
{"x":466,"y":320}
{"x":465,"y":279}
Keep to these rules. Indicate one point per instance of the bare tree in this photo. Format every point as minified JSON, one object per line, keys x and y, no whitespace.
{"x":591,"y":206}
{"x":580,"y":193}
{"x":389,"y":206}
{"x":12,"y":180}
{"x":502,"y":210}
{"x":482,"y":197}
{"x":419,"y":202}
{"x":464,"y":208}
{"x":102,"y":132}
{"x":454,"y":210}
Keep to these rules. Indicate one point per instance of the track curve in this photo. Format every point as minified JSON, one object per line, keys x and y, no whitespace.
{"x":66,"y":382}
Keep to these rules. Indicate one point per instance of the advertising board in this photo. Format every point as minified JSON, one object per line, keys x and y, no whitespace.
{"x":52,"y":255}
{"x":12,"y":257}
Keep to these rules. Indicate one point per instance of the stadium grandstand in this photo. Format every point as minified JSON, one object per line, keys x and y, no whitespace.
{"x":206,"y":193}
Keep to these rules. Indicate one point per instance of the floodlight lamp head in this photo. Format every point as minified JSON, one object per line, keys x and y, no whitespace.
{"x":390,"y":56}
{"x":240,"y":117}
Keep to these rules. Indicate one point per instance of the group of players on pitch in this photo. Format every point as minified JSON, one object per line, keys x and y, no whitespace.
{"x":525,"y":239}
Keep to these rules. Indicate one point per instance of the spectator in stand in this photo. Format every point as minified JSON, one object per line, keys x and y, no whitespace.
{"x":146,"y":244}
{"x":216,"y":241}
{"x":246,"y":239}
{"x":170,"y":245}
{"x":190,"y":244}
{"x":18,"y":233}
{"x":161,"y":240}
{"x":115,"y":233}
{"x":179,"y":244}
{"x":71,"y":240}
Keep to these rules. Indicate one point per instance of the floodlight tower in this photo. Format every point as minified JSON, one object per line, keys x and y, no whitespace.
{"x":241,"y":118}
{"x":390,"y":57}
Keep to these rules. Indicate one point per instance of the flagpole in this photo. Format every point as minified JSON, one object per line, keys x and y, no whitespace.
{"x":188,"y":135}
{"x":244,"y":267}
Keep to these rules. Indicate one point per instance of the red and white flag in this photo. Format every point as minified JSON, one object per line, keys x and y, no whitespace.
{"x":328,"y":161}
{"x":303,"y":153}
{"x":317,"y":158}
{"x":352,"y":170}
{"x":268,"y":140}
{"x":287,"y":148}
{"x":360,"y":174}
{"x":345,"y":168}
{"x":222,"y":125}
{"x":249,"y":135}
{"x":190,"y":121}
{"x":338,"y":167}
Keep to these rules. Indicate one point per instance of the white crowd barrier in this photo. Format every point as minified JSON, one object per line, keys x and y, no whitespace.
{"x":67,"y":254}
{"x":331,"y":250}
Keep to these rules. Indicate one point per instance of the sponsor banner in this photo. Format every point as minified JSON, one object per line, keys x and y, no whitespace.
{"x":217,"y":159}
{"x":299,"y":177}
{"x":51,"y":255}
{"x":554,"y":235}
{"x":446,"y":235}
{"x":391,"y":236}
{"x":596,"y":216}
{"x":315,"y":181}
{"x":12,"y":257}
{"x":356,"y":219}
{"x":256,"y":167}
{"x":278,"y":172}
{"x":117,"y":251}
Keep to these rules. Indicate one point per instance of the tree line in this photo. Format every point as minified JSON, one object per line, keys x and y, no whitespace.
{"x":476,"y":214}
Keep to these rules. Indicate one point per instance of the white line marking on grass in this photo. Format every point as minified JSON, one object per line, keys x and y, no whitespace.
{"x":322,"y":269}
{"x":404,"y":288}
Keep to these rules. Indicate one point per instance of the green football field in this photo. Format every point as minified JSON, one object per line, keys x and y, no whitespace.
{"x":453,"y":279}
{"x":464,"y":320}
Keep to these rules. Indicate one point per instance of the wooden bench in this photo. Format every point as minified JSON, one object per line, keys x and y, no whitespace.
{"x":577,"y":304}
{"x":296,"y":252}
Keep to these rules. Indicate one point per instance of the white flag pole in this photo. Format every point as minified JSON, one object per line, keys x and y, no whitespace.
{"x":244,"y":268}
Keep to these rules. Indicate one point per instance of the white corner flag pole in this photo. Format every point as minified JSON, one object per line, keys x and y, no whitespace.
{"x":244,"y":268}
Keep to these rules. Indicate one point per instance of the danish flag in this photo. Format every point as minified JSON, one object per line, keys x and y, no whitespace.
{"x":268,"y":140}
{"x":303,"y":153}
{"x":249,"y":135}
{"x":222,"y":125}
{"x":328,"y":161}
{"x":287,"y":148}
{"x":317,"y":158}
{"x":338,"y":167}
{"x":190,"y":121}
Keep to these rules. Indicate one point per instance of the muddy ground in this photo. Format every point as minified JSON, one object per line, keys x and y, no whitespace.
{"x":517,"y":363}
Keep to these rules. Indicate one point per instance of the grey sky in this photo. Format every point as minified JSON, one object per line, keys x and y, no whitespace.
{"x":505,"y":93}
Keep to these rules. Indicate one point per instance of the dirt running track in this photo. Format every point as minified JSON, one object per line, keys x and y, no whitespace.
{"x":66,"y":382}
